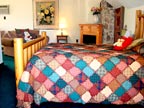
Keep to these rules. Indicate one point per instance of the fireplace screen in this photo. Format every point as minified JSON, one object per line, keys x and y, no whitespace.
{"x":89,"y":39}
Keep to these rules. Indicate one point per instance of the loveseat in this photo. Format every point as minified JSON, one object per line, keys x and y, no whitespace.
{"x":7,"y":39}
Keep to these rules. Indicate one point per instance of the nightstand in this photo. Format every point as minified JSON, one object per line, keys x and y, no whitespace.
{"x":62,"y":38}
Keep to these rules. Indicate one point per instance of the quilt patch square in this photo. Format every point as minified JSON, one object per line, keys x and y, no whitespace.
{"x":108,"y":65}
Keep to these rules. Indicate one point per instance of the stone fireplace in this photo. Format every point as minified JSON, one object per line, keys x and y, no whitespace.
{"x":91,"y":34}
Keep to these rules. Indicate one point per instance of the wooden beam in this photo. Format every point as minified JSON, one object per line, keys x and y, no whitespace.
{"x":18,"y":58}
{"x":137,"y":25}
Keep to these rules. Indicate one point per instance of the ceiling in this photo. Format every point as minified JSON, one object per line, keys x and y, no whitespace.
{"x":126,"y":3}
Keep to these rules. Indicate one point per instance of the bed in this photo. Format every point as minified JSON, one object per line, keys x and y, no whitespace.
{"x":78,"y":73}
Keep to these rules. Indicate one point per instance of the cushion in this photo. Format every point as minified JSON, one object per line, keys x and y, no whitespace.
{"x":135,"y":43}
{"x":5,"y":35}
{"x":27,"y":34}
{"x":12,"y":34}
{"x":2,"y":33}
{"x":122,"y":43}
{"x":139,"y":48}
{"x":20,"y":32}
{"x":34,"y":33}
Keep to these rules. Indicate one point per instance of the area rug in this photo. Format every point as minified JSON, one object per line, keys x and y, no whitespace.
{"x":7,"y":83}
{"x":8,"y":61}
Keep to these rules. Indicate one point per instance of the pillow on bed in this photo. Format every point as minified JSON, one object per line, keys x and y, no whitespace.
{"x":139,"y":49}
{"x":135,"y":43}
{"x":122,"y":43}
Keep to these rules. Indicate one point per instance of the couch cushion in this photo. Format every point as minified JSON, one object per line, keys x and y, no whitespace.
{"x":20,"y":32}
{"x":2,"y":33}
{"x":5,"y":34}
{"x":12,"y":34}
{"x":24,"y":33}
{"x":34,"y":33}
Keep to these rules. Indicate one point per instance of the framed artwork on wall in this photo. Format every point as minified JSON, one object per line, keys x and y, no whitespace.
{"x":45,"y":14}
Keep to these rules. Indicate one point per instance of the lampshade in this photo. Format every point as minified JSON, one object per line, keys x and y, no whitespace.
{"x":61,"y":25}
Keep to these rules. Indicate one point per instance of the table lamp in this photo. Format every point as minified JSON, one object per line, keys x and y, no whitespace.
{"x":61,"y":26}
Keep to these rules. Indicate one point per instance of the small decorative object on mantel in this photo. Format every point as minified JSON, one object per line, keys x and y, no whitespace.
{"x":96,"y":13}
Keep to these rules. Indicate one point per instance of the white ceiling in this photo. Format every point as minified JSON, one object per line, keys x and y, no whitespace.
{"x":126,"y":3}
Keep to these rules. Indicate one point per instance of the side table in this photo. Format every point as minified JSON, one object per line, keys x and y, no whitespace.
{"x":62,"y":38}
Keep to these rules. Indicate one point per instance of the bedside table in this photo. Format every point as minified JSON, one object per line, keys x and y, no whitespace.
{"x":62,"y":38}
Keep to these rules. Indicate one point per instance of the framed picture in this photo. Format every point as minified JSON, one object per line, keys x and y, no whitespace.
{"x":45,"y":14}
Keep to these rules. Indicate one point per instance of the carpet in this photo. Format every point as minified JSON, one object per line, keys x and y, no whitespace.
{"x":7,"y":83}
{"x":9,"y":62}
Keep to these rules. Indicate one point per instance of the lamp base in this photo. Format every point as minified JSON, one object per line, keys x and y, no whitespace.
{"x":61,"y":32}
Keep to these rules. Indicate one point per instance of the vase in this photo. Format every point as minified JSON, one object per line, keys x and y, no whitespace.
{"x":96,"y":18}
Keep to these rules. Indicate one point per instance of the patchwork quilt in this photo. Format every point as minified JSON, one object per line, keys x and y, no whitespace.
{"x":82,"y":74}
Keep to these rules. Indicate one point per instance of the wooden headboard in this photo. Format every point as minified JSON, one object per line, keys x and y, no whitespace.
{"x":139,"y":28}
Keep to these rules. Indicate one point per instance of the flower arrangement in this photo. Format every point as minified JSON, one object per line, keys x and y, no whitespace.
{"x":45,"y":14}
{"x":95,"y":10}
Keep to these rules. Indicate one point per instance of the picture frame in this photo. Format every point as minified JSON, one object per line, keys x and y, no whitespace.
{"x":45,"y":14}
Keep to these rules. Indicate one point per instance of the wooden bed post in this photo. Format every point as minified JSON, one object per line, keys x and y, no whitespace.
{"x":137,"y":25}
{"x":18,"y":54}
{"x":45,"y":36}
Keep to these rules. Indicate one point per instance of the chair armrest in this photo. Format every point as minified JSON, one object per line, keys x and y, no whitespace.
{"x":7,"y":42}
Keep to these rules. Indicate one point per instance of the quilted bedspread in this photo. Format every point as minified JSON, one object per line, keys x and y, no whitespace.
{"x":82,"y":74}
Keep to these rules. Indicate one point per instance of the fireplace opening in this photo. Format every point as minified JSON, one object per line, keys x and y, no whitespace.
{"x":89,"y":39}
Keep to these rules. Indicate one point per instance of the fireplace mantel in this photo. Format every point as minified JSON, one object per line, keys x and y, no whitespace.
{"x":93,"y":30}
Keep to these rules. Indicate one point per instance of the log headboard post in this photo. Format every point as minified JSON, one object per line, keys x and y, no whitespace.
{"x":138,"y":25}
{"x":44,"y":35}
{"x":18,"y":53}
